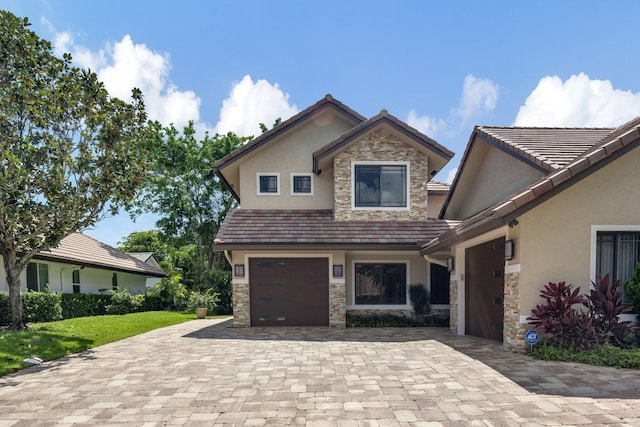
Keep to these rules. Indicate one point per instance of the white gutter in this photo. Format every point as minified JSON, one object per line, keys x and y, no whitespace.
{"x":432,"y":260}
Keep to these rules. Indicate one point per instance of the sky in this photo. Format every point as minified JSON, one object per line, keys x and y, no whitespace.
{"x":440,"y":66}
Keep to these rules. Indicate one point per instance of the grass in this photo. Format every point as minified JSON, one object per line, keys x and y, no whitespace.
{"x":54,"y":340}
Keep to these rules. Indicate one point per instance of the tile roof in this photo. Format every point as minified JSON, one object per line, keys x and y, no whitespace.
{"x":83,"y":250}
{"x":625,"y":137}
{"x":247,"y":228}
{"x":549,"y":148}
{"x":383,"y":117}
{"x":438,"y":187}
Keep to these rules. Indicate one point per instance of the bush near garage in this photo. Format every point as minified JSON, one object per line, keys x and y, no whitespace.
{"x":382,"y":320}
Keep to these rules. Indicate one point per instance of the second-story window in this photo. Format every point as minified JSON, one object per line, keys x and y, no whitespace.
{"x":382,"y":185}
{"x":301,"y":184}
{"x":268,"y":184}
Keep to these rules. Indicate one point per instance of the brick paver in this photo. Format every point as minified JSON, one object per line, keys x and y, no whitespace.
{"x":206,"y":373}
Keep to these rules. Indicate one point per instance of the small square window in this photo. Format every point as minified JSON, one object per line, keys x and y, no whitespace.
{"x":268,"y":184}
{"x":301,"y":184}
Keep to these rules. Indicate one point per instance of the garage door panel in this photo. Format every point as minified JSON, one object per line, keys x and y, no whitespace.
{"x":290,"y":291}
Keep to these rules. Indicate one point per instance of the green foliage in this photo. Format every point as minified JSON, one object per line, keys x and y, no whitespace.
{"x":122,"y":302}
{"x":53,"y":340}
{"x":170,"y":291}
{"x":419,"y":296}
{"x":42,"y":306}
{"x":632,"y":289}
{"x":145,"y":241}
{"x":574,"y":329}
{"x":80,"y":305}
{"x":68,"y":150}
{"x":202,"y":299}
{"x":381,"y":320}
{"x":601,"y":355}
{"x":219,"y":282}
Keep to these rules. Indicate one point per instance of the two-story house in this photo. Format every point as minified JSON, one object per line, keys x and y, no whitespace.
{"x":334,"y":210}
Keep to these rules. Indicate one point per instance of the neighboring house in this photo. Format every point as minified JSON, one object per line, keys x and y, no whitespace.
{"x":537,"y":205}
{"x":333,"y":214}
{"x":151,"y":259}
{"x":81,"y":264}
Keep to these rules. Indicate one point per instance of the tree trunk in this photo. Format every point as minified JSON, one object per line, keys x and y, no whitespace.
{"x":13,"y":280}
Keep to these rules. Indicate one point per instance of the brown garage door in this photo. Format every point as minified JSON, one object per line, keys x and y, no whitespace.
{"x":484,"y":307}
{"x":289,"y":291}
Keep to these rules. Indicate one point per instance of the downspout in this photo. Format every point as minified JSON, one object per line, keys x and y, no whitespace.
{"x":432,"y":260}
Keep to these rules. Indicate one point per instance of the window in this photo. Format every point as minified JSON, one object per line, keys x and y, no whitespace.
{"x":440,"y":277}
{"x":380,"y":186}
{"x":37,"y":277}
{"x":75,"y":277}
{"x":268,"y":184}
{"x":76,"y":289}
{"x":381,"y":283}
{"x":617,"y":254}
{"x":301,"y":184}
{"x":114,"y":281}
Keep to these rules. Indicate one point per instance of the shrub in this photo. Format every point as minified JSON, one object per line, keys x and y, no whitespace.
{"x":382,"y":320}
{"x":601,"y":355}
{"x":565,"y":325}
{"x":81,"y":305}
{"x":419,"y":296}
{"x":605,"y":308}
{"x":219,"y":282}
{"x":632,"y":289}
{"x":42,"y":306}
{"x":202,"y":299}
{"x":5,"y":309}
{"x":170,"y":291}
{"x":152,"y":303}
{"x":122,"y":302}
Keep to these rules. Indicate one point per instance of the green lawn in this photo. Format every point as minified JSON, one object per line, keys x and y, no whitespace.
{"x":58,"y":339}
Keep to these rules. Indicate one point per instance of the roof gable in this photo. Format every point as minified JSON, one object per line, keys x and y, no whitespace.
{"x":615,"y":144}
{"x":526,"y":155}
{"x":438,"y":154}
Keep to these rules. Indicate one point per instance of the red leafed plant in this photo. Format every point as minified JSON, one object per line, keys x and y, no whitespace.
{"x":605,"y":307}
{"x":566,"y":326}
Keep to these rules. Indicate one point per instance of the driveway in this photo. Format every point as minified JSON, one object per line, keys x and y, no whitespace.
{"x":205,"y":373}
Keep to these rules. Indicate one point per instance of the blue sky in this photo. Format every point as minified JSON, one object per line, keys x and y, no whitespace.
{"x":441,"y":66}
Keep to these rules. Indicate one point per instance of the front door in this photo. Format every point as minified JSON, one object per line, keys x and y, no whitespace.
{"x":484,"y":292}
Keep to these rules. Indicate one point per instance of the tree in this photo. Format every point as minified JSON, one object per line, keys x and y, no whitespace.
{"x":68,"y":150}
{"x":184,"y":191}
{"x":145,"y":241}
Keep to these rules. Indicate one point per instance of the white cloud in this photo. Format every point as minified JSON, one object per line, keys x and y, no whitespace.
{"x":577,"y":102}
{"x":251,"y":103}
{"x":479,"y":97}
{"x":125,"y":65}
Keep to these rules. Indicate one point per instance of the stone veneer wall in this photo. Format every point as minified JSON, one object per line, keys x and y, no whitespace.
{"x":241,"y":311}
{"x":513,"y":330}
{"x":337,"y":305}
{"x":384,"y":147}
{"x":453,"y":305}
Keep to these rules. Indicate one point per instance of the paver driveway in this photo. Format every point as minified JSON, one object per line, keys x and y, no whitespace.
{"x":205,"y":373}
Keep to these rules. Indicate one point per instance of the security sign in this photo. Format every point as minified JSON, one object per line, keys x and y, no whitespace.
{"x":532,"y":336}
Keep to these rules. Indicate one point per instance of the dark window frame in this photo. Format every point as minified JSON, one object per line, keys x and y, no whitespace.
{"x":297,"y":190}
{"x":266,"y":183}
{"x":370,"y":185}
{"x":621,"y":265}
{"x":375,"y":285}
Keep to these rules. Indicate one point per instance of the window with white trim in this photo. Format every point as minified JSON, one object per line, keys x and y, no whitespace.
{"x":268,"y":184}
{"x":380,"y":283}
{"x":617,"y":254}
{"x":301,"y":184}
{"x":380,"y":185}
{"x":37,"y":276}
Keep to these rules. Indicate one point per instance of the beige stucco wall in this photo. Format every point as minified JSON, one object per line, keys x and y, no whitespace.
{"x":417,"y":272}
{"x":380,"y":146}
{"x":292,"y":153}
{"x":489,"y":176}
{"x":556,"y":237}
{"x":435,"y":202}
